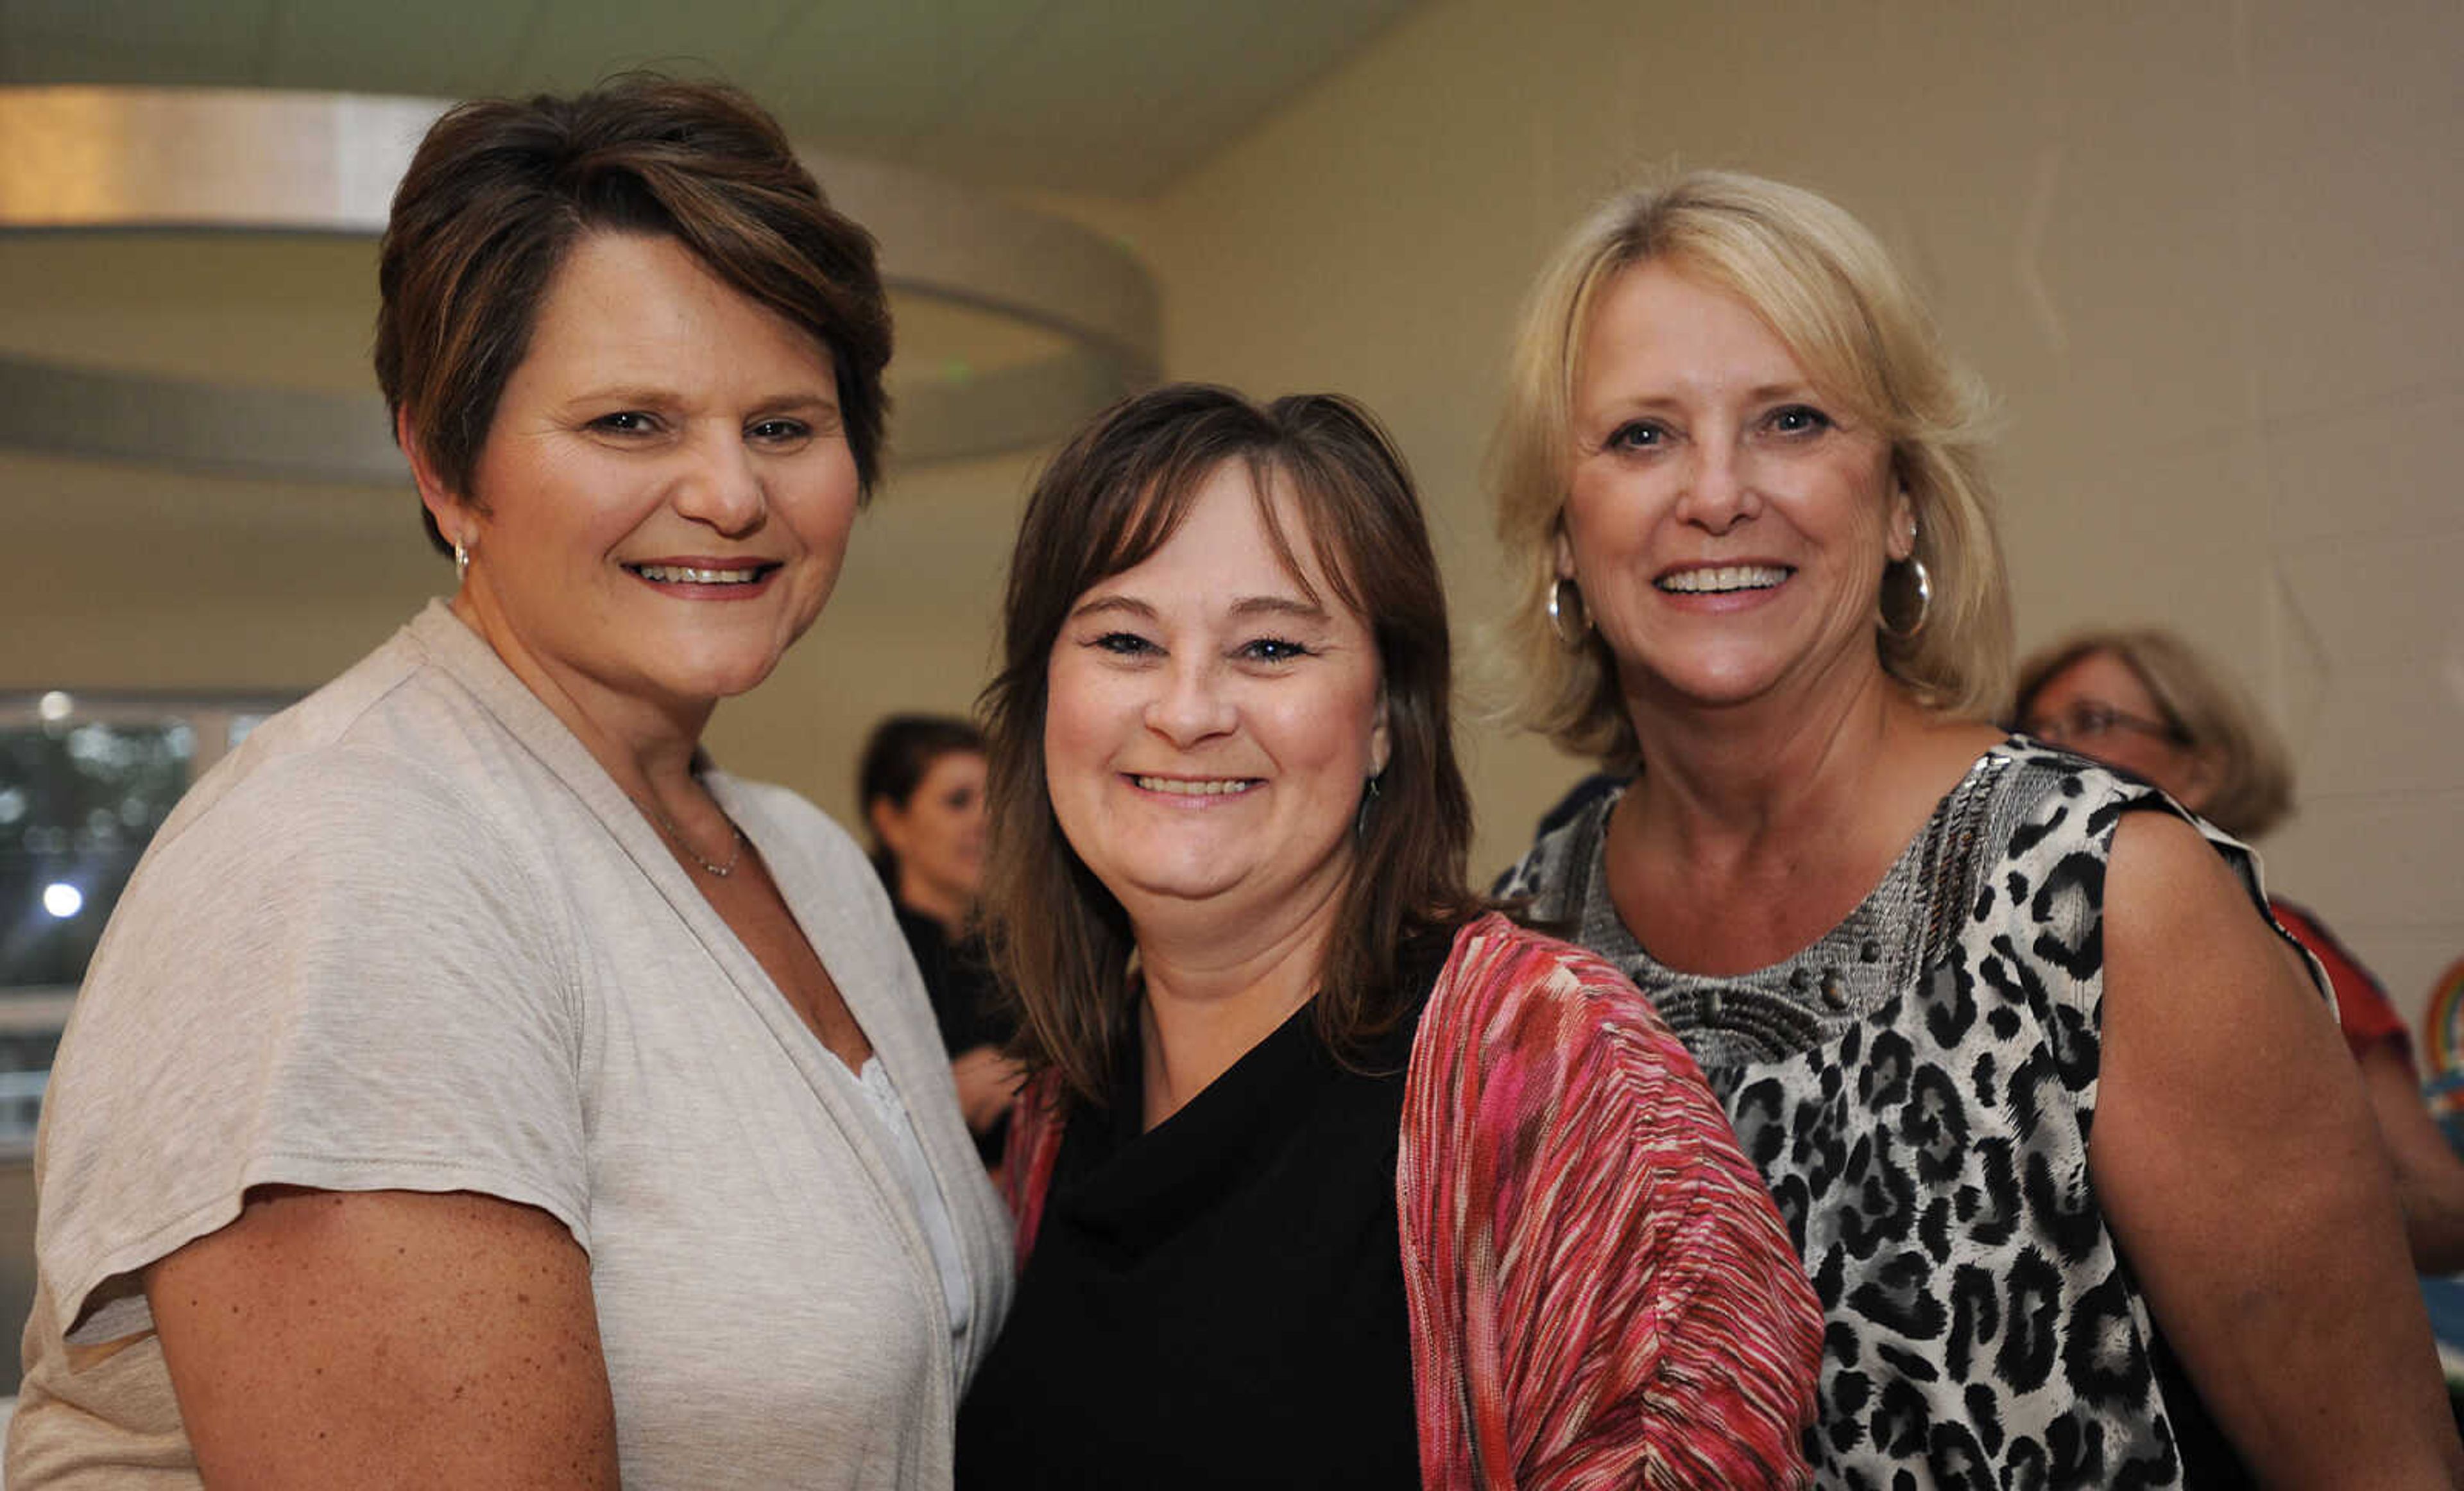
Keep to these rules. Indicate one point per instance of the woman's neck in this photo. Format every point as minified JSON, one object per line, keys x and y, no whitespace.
{"x":646,"y":746}
{"x":1726,"y":779}
{"x":947,"y":908}
{"x":1751,"y":832}
{"x":1217,"y":984}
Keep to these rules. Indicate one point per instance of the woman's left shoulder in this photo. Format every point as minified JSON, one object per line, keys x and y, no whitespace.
{"x":1498,"y":947}
{"x":1506,"y":984}
{"x":2073,"y":800}
{"x":2068,"y":862}
{"x":782,"y":805}
{"x":2066,"y":809}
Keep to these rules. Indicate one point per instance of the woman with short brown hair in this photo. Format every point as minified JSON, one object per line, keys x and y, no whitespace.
{"x":476,"y":1086}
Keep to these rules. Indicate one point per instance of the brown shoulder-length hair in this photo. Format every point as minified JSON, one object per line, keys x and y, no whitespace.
{"x":1112,"y":497}
{"x":501,"y":189}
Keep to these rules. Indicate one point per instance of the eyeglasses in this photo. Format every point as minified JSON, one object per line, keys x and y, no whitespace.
{"x":2086,"y":721}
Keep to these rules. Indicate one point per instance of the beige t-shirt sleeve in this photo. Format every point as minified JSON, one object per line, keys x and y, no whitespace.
{"x":338,"y":977}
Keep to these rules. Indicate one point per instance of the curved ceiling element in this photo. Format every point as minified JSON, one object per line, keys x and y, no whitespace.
{"x":252,"y":161}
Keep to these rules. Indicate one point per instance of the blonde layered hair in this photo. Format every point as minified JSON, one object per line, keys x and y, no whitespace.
{"x":2250,"y":774}
{"x":1829,"y":291}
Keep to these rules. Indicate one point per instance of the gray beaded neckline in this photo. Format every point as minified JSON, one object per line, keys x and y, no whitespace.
{"x":1877,"y":951}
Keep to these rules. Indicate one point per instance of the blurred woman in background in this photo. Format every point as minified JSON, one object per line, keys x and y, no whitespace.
{"x":1329,"y":1177}
{"x":2047,"y":1106}
{"x":476,"y":1086}
{"x":921,"y":782}
{"x":2140,"y":699}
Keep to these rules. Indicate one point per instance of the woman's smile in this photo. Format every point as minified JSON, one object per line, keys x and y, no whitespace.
{"x":1723,"y":579}
{"x":707,"y":579}
{"x":1197,"y":790}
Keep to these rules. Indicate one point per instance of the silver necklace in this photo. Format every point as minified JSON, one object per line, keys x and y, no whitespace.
{"x":735,"y":840}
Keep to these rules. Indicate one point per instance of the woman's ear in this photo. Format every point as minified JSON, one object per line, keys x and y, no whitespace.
{"x":452,"y":514}
{"x":2203,"y":771}
{"x":1565,"y":551}
{"x":1381,"y":738}
{"x":889,"y":824}
{"x":1902,"y":545}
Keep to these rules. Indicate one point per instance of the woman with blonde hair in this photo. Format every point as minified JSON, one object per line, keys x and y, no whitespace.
{"x":2141,"y":699}
{"x":2058,"y":1128}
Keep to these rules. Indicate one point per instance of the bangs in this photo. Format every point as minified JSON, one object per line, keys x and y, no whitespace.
{"x":1133,"y":520}
{"x":1816,"y":313}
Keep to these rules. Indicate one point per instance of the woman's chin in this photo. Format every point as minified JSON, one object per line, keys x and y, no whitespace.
{"x":1741,"y":672}
{"x":708,"y":682}
{"x":1171,"y":887}
{"x":1705,"y":683}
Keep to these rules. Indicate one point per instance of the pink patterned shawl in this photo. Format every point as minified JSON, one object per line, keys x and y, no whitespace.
{"x":1600,"y":1291}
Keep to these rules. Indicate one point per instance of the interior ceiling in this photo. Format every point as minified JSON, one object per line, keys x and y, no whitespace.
{"x":1109,"y":97}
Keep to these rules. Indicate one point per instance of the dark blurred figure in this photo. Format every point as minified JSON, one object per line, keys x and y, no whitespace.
{"x":922,"y":785}
{"x":2140,"y":698}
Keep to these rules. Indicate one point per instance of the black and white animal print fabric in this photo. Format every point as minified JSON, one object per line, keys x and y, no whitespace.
{"x":1918,"y":1088}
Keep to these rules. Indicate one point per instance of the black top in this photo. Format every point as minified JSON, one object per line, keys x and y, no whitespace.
{"x":957,"y":975}
{"x":1219,"y":1300}
{"x":966,"y":1004}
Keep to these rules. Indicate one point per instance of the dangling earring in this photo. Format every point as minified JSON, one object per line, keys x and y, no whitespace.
{"x":1924,"y":594}
{"x":1562,"y":613}
{"x":461,"y":563}
{"x":1360,"y":819}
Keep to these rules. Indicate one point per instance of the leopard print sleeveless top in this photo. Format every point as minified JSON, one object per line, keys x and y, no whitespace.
{"x":1916,"y":1088}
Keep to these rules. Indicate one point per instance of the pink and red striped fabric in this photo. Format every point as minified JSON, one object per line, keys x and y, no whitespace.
{"x":1601,"y":1293}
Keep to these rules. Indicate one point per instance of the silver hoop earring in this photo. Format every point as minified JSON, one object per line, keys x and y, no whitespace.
{"x":1562,"y":613}
{"x":1925,"y":604}
{"x":461,"y":563}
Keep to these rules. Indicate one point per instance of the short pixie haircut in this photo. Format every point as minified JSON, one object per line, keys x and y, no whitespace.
{"x":2205,"y":710}
{"x":1112,"y":497}
{"x":500,"y":191}
{"x":1828,"y":290}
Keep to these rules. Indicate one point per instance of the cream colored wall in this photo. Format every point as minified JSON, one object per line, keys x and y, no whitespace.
{"x":2203,"y":251}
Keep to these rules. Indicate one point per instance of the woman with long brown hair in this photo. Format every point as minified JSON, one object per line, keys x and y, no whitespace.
{"x":1329,"y":1176}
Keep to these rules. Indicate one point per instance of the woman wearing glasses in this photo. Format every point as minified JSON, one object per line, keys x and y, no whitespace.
{"x":2140,"y":699}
